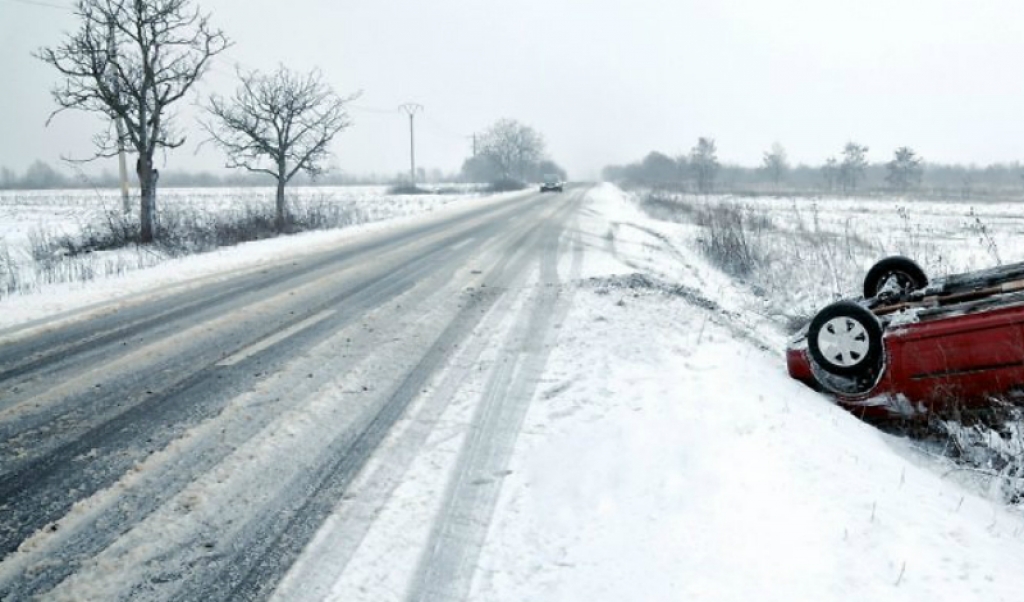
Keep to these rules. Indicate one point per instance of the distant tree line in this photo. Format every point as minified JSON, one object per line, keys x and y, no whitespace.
{"x":848,"y":172}
{"x":42,"y":176}
{"x":39,"y":175}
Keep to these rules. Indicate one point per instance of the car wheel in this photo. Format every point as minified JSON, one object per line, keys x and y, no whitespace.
{"x":907,"y":274}
{"x":845,"y":339}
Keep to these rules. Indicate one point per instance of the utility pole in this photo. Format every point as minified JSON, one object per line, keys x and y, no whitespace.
{"x":411,"y":108}
{"x":119,"y":125}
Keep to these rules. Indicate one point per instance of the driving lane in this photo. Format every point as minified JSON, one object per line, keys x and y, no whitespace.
{"x":258,"y":396}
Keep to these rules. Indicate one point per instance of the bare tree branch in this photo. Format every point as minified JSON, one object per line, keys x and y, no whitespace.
{"x":279,"y":124}
{"x":132,"y":60}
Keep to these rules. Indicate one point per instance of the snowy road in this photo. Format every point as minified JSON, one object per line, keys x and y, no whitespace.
{"x":520,"y":397}
{"x":190,"y":443}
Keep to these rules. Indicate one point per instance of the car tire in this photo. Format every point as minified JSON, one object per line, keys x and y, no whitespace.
{"x":845,"y":339}
{"x":909,"y":276}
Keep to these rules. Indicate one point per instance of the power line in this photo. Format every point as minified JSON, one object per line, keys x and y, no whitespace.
{"x":442,"y":128}
{"x":377,"y":110}
{"x":451,"y":133}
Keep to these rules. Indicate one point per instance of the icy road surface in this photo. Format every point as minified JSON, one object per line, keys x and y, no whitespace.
{"x":540,"y":398}
{"x":188,"y":445}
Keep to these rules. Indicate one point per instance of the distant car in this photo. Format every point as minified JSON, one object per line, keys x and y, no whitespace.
{"x":909,"y":347}
{"x":551,"y":183}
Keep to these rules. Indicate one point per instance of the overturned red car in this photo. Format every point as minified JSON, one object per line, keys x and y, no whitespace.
{"x":909,"y":346}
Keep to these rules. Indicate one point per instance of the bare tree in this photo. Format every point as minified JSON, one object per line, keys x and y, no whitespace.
{"x":704,"y":163}
{"x":851,"y":170}
{"x":905,"y":169}
{"x":132,"y":60}
{"x":278,"y":124}
{"x":512,"y":147}
{"x":776,"y":163}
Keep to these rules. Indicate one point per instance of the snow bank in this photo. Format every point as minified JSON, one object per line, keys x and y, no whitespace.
{"x":669,"y":457}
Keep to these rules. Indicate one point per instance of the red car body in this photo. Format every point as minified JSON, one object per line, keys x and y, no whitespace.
{"x":964,"y":354}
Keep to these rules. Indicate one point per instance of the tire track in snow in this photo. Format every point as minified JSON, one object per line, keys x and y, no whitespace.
{"x":54,"y":414}
{"x":283,"y":526}
{"x":448,"y":563}
{"x":156,"y":480}
{"x":36,"y":493}
{"x":275,"y":533}
{"x":102,"y":340}
{"x":120,"y":519}
{"x":312,"y":578}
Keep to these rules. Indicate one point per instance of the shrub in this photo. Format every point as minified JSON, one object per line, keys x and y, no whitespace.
{"x":665,"y":206}
{"x":113,"y":230}
{"x":183,"y":231}
{"x":731,"y":238}
{"x":408,"y":189}
{"x":988,"y":442}
{"x":10,"y":280}
{"x":790,"y":260}
{"x":76,"y":257}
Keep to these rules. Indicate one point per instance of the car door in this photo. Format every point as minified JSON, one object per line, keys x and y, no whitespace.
{"x":960,"y":357}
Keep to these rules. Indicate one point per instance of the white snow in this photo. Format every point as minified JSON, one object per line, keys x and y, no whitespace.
{"x":666,"y":454}
{"x":20,"y":211}
{"x":669,"y":460}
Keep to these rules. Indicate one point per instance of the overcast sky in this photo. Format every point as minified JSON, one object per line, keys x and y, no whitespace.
{"x":605,"y":81}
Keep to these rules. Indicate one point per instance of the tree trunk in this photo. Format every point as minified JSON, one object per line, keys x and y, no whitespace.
{"x":147,"y":185}
{"x":279,"y":221}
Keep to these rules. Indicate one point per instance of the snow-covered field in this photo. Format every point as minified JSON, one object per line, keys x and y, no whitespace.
{"x":811,"y":251}
{"x":946,"y":237}
{"x":30,"y":216}
{"x":21,"y":211}
{"x":666,"y":454}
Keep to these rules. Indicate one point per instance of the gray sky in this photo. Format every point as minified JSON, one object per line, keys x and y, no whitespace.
{"x":605,"y":81}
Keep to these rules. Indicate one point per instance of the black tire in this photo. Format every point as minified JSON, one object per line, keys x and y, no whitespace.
{"x":909,"y":276}
{"x":845,"y":339}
